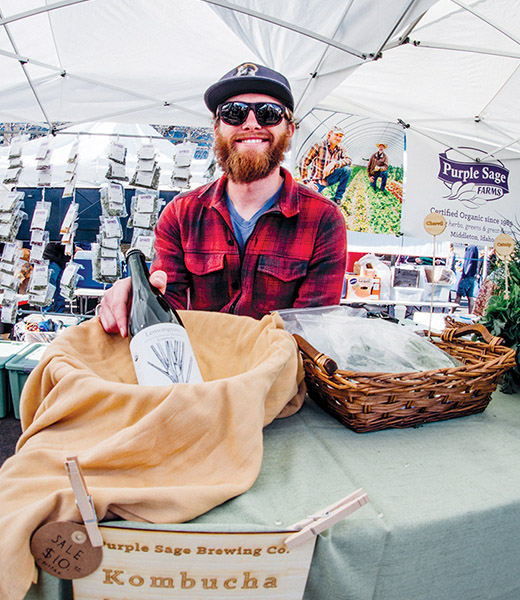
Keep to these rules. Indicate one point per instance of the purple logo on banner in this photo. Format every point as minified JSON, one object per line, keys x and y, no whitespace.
{"x":472,"y":183}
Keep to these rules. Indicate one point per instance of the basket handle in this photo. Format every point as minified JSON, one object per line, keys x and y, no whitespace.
{"x":322,"y":360}
{"x":454,"y":332}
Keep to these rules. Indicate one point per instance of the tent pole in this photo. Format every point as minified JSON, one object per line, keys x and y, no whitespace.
{"x":440,"y":141}
{"x":39,"y":10}
{"x":114,"y":87}
{"x":274,"y":21}
{"x":22,"y":86}
{"x":126,"y":112}
{"x":116,"y":134}
{"x":391,"y":33}
{"x":315,"y":71}
{"x":27,"y":76}
{"x":498,"y":150}
{"x":458,"y":48}
{"x":406,"y":33}
{"x":498,"y":91}
{"x":24,"y":59}
{"x":487,"y":20}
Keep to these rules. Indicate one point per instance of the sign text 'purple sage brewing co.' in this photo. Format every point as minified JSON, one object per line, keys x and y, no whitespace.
{"x":473,"y":183}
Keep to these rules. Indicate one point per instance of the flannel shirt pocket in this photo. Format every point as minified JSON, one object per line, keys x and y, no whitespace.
{"x":277,"y":281}
{"x":210,"y":288}
{"x":200,"y":263}
{"x":284,"y":269}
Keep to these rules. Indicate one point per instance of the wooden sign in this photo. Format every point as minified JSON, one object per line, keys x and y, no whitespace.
{"x":434,"y":223}
{"x":504,"y":245}
{"x":164,"y":564}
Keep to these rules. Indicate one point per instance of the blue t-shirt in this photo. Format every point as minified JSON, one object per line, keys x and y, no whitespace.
{"x":470,"y":264}
{"x":244,"y":228}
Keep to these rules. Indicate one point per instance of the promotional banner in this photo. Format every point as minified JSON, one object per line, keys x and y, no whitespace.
{"x":475,"y":191}
{"x":358,"y":163}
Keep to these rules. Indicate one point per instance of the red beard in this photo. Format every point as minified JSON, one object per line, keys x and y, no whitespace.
{"x":246,"y":167}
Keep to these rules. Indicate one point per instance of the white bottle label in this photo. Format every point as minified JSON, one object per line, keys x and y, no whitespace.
{"x":162,"y":355}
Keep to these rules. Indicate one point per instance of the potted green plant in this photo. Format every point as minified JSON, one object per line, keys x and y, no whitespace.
{"x":502,"y":316}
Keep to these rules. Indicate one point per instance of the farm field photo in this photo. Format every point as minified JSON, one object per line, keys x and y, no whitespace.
{"x":370,"y":156}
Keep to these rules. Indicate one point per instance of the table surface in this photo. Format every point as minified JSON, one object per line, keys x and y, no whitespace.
{"x":443,"y":521}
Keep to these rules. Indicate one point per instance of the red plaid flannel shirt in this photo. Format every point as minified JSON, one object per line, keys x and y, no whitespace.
{"x":295,"y":256}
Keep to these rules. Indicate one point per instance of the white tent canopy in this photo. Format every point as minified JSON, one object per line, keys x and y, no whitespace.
{"x":447,"y":66}
{"x":436,"y":66}
{"x":456,"y":72}
{"x":439,"y":67}
{"x":149,"y":61}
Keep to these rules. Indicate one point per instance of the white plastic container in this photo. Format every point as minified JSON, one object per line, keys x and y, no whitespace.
{"x":441,"y":292}
{"x":406,"y":283}
{"x":443,"y":282}
{"x":407,"y":294}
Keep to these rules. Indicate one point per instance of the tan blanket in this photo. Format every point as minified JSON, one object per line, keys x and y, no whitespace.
{"x":157,"y":454}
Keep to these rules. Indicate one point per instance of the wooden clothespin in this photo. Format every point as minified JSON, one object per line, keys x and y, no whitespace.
{"x":84,"y":501}
{"x":315,"y":524}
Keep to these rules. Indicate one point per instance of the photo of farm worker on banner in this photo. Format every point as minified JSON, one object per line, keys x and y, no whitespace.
{"x":327,"y":164}
{"x":358,"y":163}
{"x":378,"y":168}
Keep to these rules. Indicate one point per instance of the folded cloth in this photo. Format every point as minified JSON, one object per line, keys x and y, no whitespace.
{"x":160,"y":454}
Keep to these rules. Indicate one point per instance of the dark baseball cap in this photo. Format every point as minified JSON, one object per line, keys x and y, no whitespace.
{"x":249,"y":78}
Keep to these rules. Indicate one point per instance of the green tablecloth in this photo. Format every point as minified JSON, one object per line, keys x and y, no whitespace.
{"x":443,"y":521}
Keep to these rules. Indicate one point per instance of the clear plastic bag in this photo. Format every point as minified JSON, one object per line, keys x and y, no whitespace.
{"x":9,"y":229}
{"x":69,"y":280}
{"x":11,"y":251}
{"x":8,"y":200}
{"x":375,"y":267}
{"x":367,"y":345}
{"x":112,"y":196}
{"x":104,"y":269}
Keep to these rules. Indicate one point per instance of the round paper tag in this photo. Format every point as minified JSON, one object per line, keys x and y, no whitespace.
{"x":63,"y":549}
{"x":504,"y":244}
{"x":434,"y":223}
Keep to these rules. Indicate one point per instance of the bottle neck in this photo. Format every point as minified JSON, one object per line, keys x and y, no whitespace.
{"x":138,"y":269}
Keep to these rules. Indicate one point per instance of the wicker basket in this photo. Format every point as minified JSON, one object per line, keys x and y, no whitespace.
{"x":374,"y":401}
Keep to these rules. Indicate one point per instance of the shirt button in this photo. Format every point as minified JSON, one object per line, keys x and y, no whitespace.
{"x":231,"y":243}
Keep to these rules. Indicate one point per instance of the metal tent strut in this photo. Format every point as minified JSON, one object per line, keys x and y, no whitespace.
{"x":487,"y":20}
{"x":405,"y":12}
{"x":39,"y":10}
{"x":286,"y":25}
{"x":59,"y":70}
{"x":26,"y":74}
{"x":315,"y":71}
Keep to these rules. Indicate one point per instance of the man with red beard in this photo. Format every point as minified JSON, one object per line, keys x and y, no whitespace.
{"x":254,"y":240}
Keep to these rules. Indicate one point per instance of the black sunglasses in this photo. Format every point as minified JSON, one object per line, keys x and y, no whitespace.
{"x":266,"y":113}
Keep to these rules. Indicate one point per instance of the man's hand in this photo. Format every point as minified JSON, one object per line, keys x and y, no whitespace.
{"x":329,"y":169}
{"x":115,"y":305}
